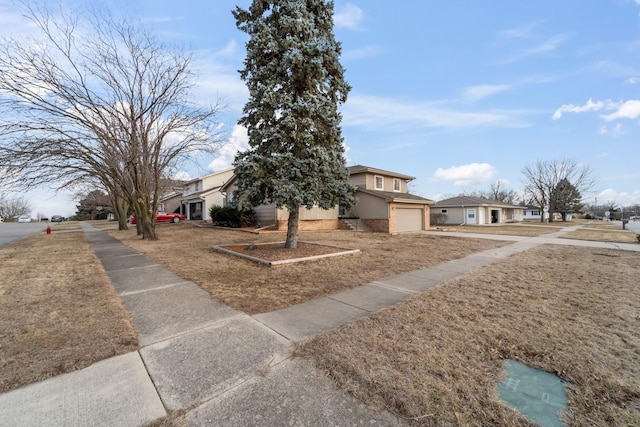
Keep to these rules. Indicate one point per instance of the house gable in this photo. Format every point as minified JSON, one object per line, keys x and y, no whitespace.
{"x":368,"y":178}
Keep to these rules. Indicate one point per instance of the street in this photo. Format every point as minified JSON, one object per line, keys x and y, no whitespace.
{"x":10,"y":231}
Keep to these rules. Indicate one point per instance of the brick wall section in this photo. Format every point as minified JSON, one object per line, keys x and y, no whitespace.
{"x":377,"y":225}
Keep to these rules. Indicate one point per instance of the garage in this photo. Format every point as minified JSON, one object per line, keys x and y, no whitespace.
{"x":409,"y":220}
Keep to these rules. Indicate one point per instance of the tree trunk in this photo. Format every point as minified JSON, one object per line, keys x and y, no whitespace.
{"x":121,"y":209}
{"x":145,"y":220}
{"x":292,"y":228}
{"x":147,"y":227}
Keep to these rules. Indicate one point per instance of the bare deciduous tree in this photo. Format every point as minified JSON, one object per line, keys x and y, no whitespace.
{"x":497,"y":191}
{"x":11,"y":208}
{"x":543,"y":177}
{"x":99,"y":99}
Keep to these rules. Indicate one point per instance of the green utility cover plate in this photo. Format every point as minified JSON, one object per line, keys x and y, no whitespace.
{"x":536,"y":394}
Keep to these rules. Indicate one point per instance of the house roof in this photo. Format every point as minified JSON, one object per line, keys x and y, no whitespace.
{"x":366,"y":169}
{"x":207,"y":176}
{"x":472,"y":201}
{"x":170,"y":196}
{"x":203,"y":193}
{"x":391,"y":196}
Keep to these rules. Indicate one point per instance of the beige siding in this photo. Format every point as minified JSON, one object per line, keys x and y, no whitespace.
{"x":314,"y":213}
{"x":367,"y":181}
{"x":216,"y":180}
{"x":214,"y":199}
{"x":371,"y":207}
{"x":454,"y":215}
{"x":265,"y":214}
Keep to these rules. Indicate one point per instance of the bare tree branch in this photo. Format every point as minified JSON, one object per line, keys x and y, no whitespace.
{"x":99,"y":99}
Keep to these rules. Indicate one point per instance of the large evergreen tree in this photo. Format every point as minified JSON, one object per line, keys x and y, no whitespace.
{"x":565,"y":198}
{"x":296,"y":82}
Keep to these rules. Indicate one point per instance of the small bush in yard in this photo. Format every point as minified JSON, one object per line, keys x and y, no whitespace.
{"x":438,"y":219}
{"x":230,"y":216}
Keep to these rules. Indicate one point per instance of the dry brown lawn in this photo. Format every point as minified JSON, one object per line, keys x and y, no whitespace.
{"x":526,"y":230}
{"x":437,"y":359}
{"x":434,"y":360}
{"x":616,"y":235}
{"x":254,"y":288}
{"x":58,"y":310}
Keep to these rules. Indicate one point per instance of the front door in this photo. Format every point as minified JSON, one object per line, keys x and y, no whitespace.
{"x":195,"y":211}
{"x":471,"y":216}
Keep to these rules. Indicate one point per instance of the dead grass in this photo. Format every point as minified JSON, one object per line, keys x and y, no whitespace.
{"x":616,"y":235}
{"x":525,"y":230}
{"x":278,"y":251}
{"x":253,"y":288}
{"x":65,"y":226}
{"x":437,"y":359}
{"x":58,"y":311}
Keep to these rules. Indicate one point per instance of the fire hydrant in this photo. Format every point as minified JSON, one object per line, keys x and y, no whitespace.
{"x":48,"y":229}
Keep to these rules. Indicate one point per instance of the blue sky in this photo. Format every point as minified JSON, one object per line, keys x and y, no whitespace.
{"x":457,"y":93}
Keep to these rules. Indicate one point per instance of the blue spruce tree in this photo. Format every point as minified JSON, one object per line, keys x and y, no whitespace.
{"x":296,"y":82}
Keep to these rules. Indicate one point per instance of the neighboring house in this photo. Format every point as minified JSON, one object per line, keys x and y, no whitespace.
{"x":171,"y":202}
{"x":530,"y":212}
{"x":171,"y":190}
{"x":468,"y":210}
{"x":202,"y":193}
{"x":269,"y":215}
{"x":384,"y":203}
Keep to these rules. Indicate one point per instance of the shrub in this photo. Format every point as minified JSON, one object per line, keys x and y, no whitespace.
{"x":230,"y":216}
{"x":438,"y":219}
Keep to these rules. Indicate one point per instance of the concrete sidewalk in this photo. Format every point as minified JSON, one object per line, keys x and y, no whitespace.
{"x":226,"y":367}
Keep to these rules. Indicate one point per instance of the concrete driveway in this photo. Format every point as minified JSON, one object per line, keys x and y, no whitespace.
{"x":12,"y":231}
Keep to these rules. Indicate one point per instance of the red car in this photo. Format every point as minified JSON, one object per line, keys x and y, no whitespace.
{"x":163,"y":217}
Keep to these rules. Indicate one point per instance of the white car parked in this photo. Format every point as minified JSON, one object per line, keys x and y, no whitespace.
{"x":24,"y":218}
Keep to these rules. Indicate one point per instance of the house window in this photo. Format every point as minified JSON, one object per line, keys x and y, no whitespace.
{"x":535,"y":212}
{"x":443,"y":211}
{"x":378,"y":182}
{"x":396,"y":184}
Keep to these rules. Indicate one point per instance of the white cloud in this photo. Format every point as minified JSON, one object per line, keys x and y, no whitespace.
{"x":470,"y":174}
{"x":182,"y":176}
{"x":350,"y":16}
{"x":621,"y":110}
{"x":238,"y":141}
{"x":570,"y":108}
{"x":217,"y":79}
{"x":613,"y":130}
{"x":519,"y":32}
{"x":361,"y":110}
{"x":632,"y":80}
{"x":621,"y":198}
{"x":548,"y":46}
{"x":478,"y":92}
{"x":627,"y":110}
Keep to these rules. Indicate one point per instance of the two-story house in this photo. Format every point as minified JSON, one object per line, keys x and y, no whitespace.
{"x":200,"y":194}
{"x":384,"y":203}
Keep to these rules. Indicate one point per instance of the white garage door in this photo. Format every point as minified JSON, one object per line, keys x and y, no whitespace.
{"x":408,"y":220}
